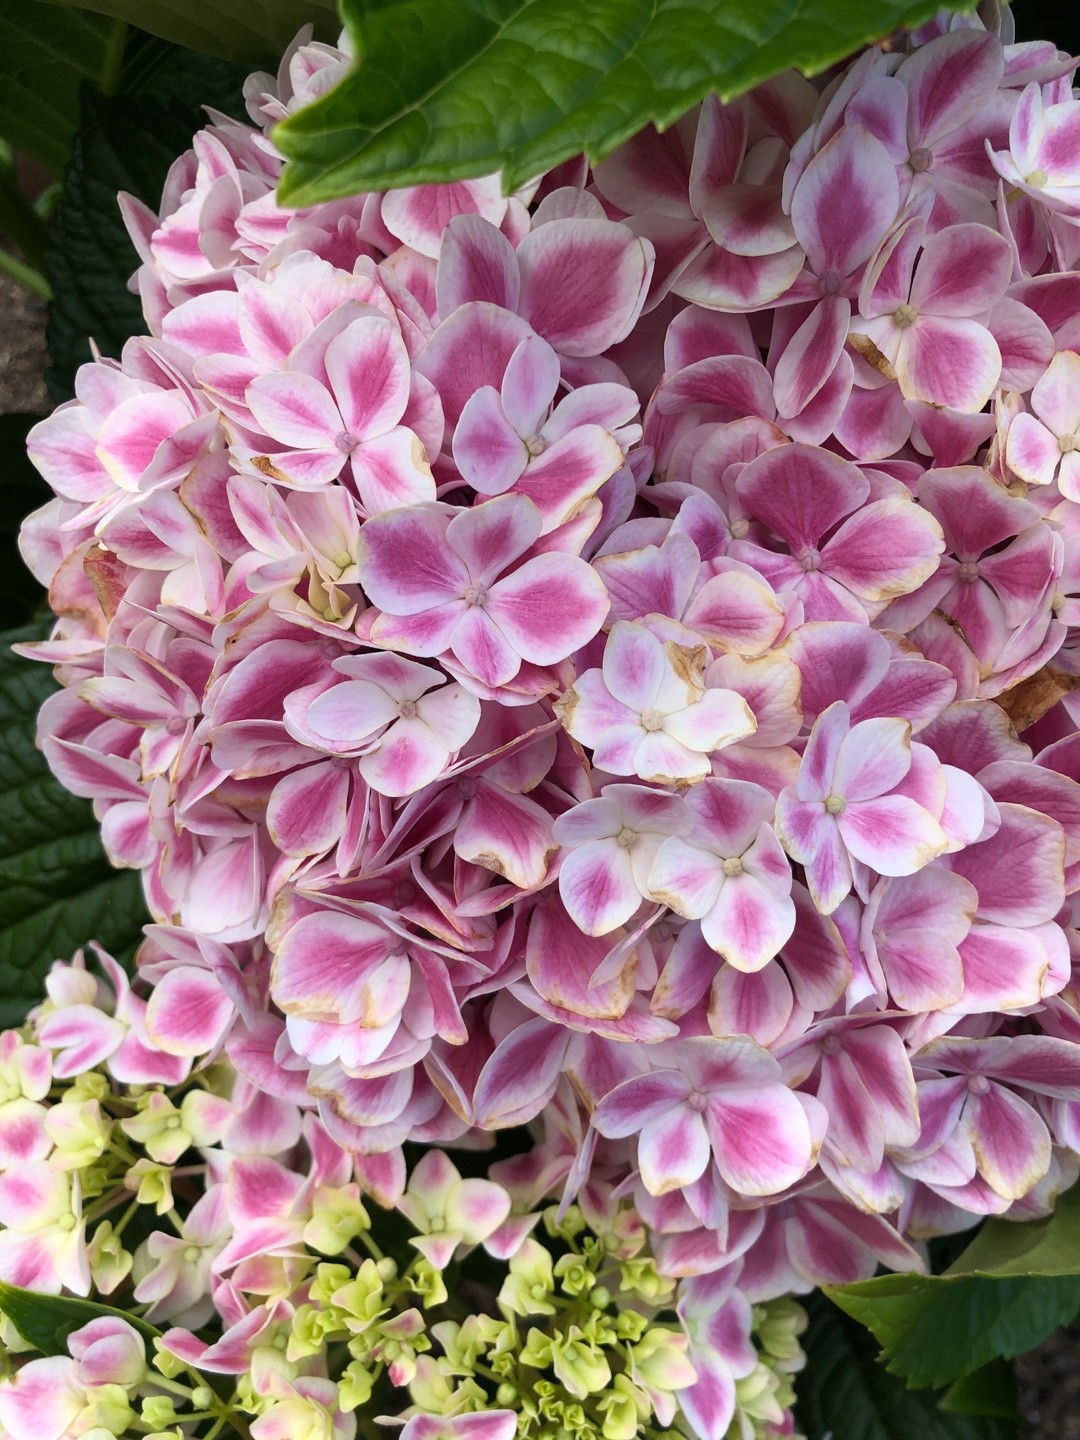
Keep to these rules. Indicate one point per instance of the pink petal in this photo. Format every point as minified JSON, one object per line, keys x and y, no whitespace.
{"x":392,"y":470}
{"x":549,"y":607}
{"x":873,"y":758}
{"x":963,"y":270}
{"x":476,"y":262}
{"x":405,"y":563}
{"x":761,"y":1139}
{"x":596,"y":882}
{"x":368,"y":368}
{"x":583,"y":283}
{"x":846,"y":199}
{"x":801,"y":492}
{"x":673,"y":1150}
{"x":488,"y":451}
{"x":1011,"y":1142}
{"x":949,"y":362}
{"x":295,"y":410}
{"x":306,"y":811}
{"x":749,"y":923}
{"x":893,"y":835}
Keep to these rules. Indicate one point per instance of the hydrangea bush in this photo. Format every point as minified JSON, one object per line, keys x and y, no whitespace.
{"x":599,"y":659}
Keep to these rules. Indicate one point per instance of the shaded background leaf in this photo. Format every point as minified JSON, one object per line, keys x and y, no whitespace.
{"x":844,"y":1392}
{"x":254,"y":31}
{"x":57,"y":888}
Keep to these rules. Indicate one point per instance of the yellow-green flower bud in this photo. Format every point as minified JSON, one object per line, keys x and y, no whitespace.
{"x":580,"y":1366}
{"x":624,"y":1407}
{"x":328,"y":1280}
{"x":575,"y":1277}
{"x":158,"y":1411}
{"x":641,"y":1277}
{"x":80,"y":1133}
{"x":110,"y":1263}
{"x":355,"y":1386}
{"x":630,"y":1325}
{"x":528,"y":1287}
{"x":428,"y":1282}
{"x":166,"y":1362}
{"x":338,"y":1216}
{"x":536,"y":1352}
{"x":152,"y":1184}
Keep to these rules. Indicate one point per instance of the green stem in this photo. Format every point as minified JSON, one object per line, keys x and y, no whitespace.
{"x":113,"y":59}
{"x":25,"y":275}
{"x":20,"y":222}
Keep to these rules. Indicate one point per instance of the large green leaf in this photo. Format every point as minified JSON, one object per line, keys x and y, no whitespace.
{"x":125,"y":142}
{"x":447,"y":89}
{"x":46,"y":1321}
{"x":254,"y":31}
{"x":845,"y":1393}
{"x":936,"y":1329}
{"x":1039,"y":1247}
{"x":45,"y":54}
{"x":57,"y":889}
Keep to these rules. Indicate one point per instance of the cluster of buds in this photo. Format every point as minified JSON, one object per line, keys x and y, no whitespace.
{"x":603,"y":657}
{"x":288,"y":1290}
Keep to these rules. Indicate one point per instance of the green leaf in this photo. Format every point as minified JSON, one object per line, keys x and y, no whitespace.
{"x":990,"y":1391}
{"x":253,"y":31}
{"x":935,"y":1329}
{"x":126,"y":142}
{"x":1038,"y":1247}
{"x":57,"y":888}
{"x":45,"y":55}
{"x":846,"y":1394}
{"x":447,"y":89}
{"x":46,"y":1321}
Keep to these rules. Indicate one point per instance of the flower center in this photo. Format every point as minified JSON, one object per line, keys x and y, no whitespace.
{"x":835,"y":804}
{"x":739,"y":529}
{"x":810,"y":559}
{"x":191,"y":1255}
{"x":697,"y":1101}
{"x":905,"y":315}
{"x":475,"y":595}
{"x":651,"y":720}
{"x":535,"y":444}
{"x":830,"y":282}
{"x":346,"y":442}
{"x":1037,"y":179}
{"x":407,"y":709}
{"x":968,"y":571}
{"x":1068,"y":442}
{"x":625,"y":837}
{"x":733,"y":866}
{"x":831,"y":1045}
{"x":175,"y":724}
{"x":66,"y":1222}
{"x":978,"y":1084}
{"x":920,"y":160}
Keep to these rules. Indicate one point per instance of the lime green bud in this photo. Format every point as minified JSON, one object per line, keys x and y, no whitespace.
{"x":659,"y":1360}
{"x":641,"y":1277}
{"x":328,"y":1280}
{"x":428,"y":1282}
{"x":166,"y":1362}
{"x":355,"y":1386}
{"x":89,"y":1086}
{"x":202,"y":1397}
{"x":338,"y":1217}
{"x":624,"y":1407}
{"x":575,"y":1277}
{"x":165,"y":1435}
{"x":110,"y":1408}
{"x":580,"y":1366}
{"x":80,"y":1133}
{"x":600,"y":1297}
{"x":630,"y":1325}
{"x":362,"y":1300}
{"x":158,"y":1411}
{"x":152,"y":1184}
{"x":528,"y":1287}
{"x":536,"y":1352}
{"x":570,"y":1226}
{"x":505,"y":1395}
{"x":110,"y":1263}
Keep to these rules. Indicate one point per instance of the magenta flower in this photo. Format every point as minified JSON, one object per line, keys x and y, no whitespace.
{"x":1045,"y":446}
{"x":511,"y":437}
{"x":1043,"y":158}
{"x":451,"y":580}
{"x":612,"y":842}
{"x":730,"y":873}
{"x":924,"y":323}
{"x":349,"y":415}
{"x":647,"y":712}
{"x":847,"y":556}
{"x":844,"y":808}
{"x":725,"y":1101}
{"x":386,"y":714}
